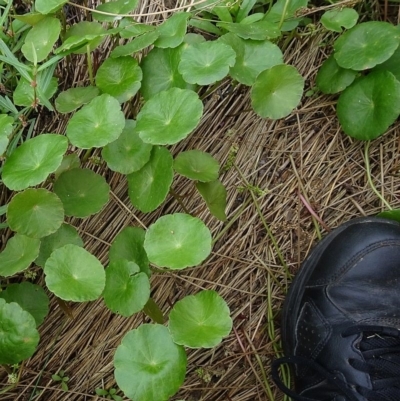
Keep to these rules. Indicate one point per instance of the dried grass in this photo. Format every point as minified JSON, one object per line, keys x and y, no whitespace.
{"x":304,"y":154}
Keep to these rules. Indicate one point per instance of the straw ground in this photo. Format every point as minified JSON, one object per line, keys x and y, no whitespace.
{"x":279,"y":176}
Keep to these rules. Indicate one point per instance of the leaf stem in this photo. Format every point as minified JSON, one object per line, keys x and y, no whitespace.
{"x":267,"y":229}
{"x":90,"y":65}
{"x":178,"y":198}
{"x":285,"y":7}
{"x":369,"y":177}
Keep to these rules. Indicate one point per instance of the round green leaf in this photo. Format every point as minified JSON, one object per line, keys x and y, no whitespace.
{"x":128,"y":245}
{"x":169,"y":116}
{"x":126,"y":291}
{"x":98,"y":123}
{"x":197,"y":165}
{"x":66,"y":234}
{"x":82,"y":191}
{"x":18,"y":254}
{"x":160,"y":71}
{"x":149,"y":366}
{"x":92,"y":33}
{"x":252,"y":57}
{"x":40,"y":39}
{"x":128,"y":153}
{"x":114,"y":7}
{"x":19,"y":337}
{"x":32,"y":162}
{"x":74,"y":274}
{"x":370,"y":105}
{"x":68,"y":163}
{"x":366,"y":45}
{"x":332,"y":78}
{"x":30,"y":297}
{"x":277,"y":91}
{"x":119,"y":77}
{"x":200,"y":321}
{"x":206,"y":63}
{"x":35,"y":213}
{"x":49,"y":6}
{"x":73,"y":98}
{"x":214,"y":193}
{"x":173,"y":30}
{"x":334,"y":20}
{"x":177,"y":241}
{"x":149,"y":186}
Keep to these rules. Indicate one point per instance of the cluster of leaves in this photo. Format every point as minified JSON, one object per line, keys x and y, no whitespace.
{"x":150,"y":363}
{"x":365,"y":69}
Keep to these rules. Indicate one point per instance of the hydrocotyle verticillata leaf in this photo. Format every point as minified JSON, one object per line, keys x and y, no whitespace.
{"x":277,"y":91}
{"x":177,"y":241}
{"x":149,"y":366}
{"x":370,"y":105}
{"x":18,"y":254}
{"x":30,"y":297}
{"x":149,"y":186}
{"x":366,"y":45}
{"x":19,"y":335}
{"x":98,"y":123}
{"x":169,"y":116}
{"x":200,"y":321}
{"x":35,"y":212}
{"x":74,"y":274}
{"x":32,"y":162}
{"x":82,"y":192}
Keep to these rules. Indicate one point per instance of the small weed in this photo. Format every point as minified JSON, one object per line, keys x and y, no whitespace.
{"x":62,"y":379}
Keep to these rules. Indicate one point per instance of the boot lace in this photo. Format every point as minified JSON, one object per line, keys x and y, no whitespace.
{"x":380,"y":348}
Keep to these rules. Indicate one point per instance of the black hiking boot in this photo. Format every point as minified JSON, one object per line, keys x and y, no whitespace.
{"x":341,"y":317}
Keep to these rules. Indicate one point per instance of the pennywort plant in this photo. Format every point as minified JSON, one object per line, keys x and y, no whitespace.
{"x":365,"y":70}
{"x":51,"y":182}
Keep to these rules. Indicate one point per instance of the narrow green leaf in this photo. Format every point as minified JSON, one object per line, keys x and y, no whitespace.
{"x":153,"y":311}
{"x":214,"y":193}
{"x":149,"y":186}
{"x":197,"y":165}
{"x":73,"y":98}
{"x":137,"y":44}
